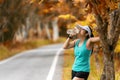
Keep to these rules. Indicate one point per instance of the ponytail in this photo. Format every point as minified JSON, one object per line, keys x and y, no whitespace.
{"x":91,"y":36}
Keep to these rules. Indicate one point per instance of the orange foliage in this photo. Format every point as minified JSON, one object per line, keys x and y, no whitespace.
{"x":103,"y":7}
{"x":1,"y":1}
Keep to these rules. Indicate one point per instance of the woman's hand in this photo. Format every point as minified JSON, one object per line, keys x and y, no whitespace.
{"x":69,"y":44}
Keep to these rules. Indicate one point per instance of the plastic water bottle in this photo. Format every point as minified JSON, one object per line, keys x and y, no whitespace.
{"x":73,"y":31}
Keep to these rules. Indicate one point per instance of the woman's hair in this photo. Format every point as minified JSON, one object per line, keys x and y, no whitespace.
{"x":91,"y":33}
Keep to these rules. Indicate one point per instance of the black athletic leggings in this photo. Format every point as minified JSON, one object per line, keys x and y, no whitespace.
{"x":80,"y":74}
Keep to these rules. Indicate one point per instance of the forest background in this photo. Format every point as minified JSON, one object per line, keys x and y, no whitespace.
{"x":27,"y":24}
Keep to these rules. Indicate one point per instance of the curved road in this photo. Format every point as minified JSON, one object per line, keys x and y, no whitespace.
{"x":43,"y":63}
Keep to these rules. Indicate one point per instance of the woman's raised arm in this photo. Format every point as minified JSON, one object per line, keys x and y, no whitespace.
{"x":94,"y":39}
{"x":69,"y":44}
{"x":91,"y":42}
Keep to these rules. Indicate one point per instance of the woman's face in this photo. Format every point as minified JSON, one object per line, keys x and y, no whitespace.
{"x":82,"y":33}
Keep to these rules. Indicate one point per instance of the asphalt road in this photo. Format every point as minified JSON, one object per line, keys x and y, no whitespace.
{"x":43,"y":63}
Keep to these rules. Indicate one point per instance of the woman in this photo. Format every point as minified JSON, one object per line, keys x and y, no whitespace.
{"x":83,"y":46}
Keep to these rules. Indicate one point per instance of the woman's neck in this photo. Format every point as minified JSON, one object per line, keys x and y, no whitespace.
{"x":82,"y":39}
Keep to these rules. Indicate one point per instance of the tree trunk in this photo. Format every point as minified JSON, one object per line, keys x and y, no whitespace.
{"x":24,"y":32}
{"x":109,"y":41}
{"x":55,"y":29}
{"x":96,"y":51}
{"x":108,"y":70}
{"x":27,"y":26}
{"x":18,"y":36}
{"x":47,"y":30}
{"x":39,"y":28}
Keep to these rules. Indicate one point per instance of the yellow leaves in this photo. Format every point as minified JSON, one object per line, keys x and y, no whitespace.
{"x":84,"y":22}
{"x":32,"y":1}
{"x":45,"y":11}
{"x":62,"y":7}
{"x":88,"y":21}
{"x":90,"y":18}
{"x":117,"y":49}
{"x":38,"y":1}
{"x":71,"y":25}
{"x":67,"y":16}
{"x":113,"y":5}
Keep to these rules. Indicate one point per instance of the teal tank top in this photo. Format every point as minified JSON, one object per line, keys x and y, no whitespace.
{"x":82,"y":57}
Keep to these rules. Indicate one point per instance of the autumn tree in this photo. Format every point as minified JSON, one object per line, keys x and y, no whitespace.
{"x":13,"y":14}
{"x":47,"y":14}
{"x":107,"y":14}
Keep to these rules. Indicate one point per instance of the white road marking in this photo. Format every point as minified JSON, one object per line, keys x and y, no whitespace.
{"x":53,"y":66}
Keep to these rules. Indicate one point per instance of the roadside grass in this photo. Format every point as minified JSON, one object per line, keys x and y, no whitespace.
{"x":4,"y":52}
{"x":96,"y":67}
{"x":68,"y":61}
{"x":29,"y":44}
{"x":96,"y":71}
